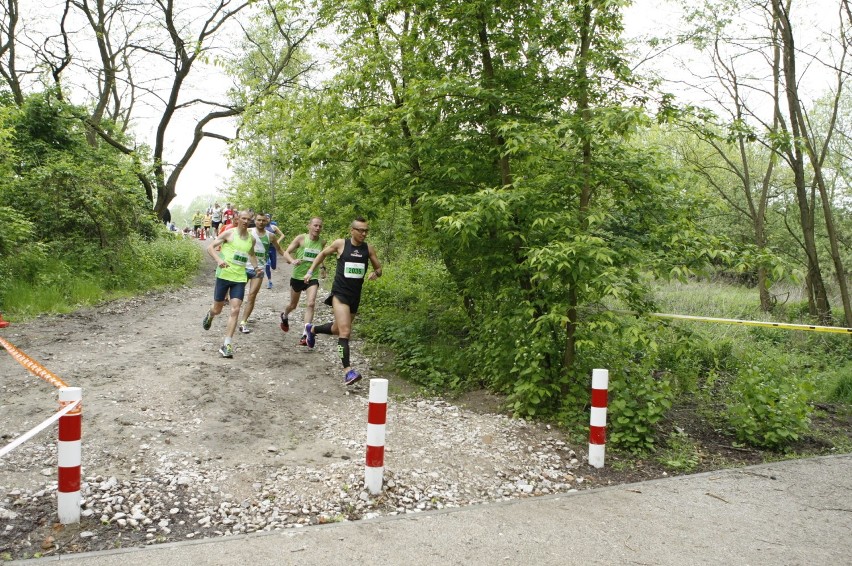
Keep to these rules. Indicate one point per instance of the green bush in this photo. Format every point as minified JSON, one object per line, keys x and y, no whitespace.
{"x":425,"y":327}
{"x":768,"y":405}
{"x":639,"y":400}
{"x":164,"y":261}
{"x":690,"y":356}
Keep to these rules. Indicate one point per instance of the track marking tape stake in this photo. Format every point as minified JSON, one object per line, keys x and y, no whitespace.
{"x":597,"y":424}
{"x":69,"y":451}
{"x":376,"y":419}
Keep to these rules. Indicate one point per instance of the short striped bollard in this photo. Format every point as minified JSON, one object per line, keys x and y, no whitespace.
{"x":597,"y":424}
{"x":376,"y":418}
{"x":69,"y":460}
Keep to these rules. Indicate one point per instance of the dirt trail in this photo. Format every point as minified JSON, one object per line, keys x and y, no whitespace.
{"x":151,"y":375}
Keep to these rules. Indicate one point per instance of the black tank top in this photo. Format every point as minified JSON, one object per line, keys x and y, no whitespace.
{"x":351,"y":269}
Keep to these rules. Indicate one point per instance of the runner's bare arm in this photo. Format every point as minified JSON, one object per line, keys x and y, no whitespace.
{"x":336,"y":247}
{"x":279,"y":233}
{"x":213,"y":250}
{"x":277,"y":246}
{"x":252,"y":255}
{"x":374,"y":260}
{"x":294,"y":245}
{"x":323,"y":270}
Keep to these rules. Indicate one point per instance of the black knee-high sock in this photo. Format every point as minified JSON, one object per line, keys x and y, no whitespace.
{"x":323,"y":328}
{"x":343,"y":351}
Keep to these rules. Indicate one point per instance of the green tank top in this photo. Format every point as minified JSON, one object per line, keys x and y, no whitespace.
{"x":261,"y":246}
{"x":236,"y":253}
{"x":307,"y":252}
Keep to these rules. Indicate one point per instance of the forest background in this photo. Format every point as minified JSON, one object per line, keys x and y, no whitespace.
{"x":536,"y":185}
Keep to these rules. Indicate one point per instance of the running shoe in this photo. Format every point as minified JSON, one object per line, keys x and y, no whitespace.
{"x":207,"y":322}
{"x":244,"y":327}
{"x":227,"y":351}
{"x":310,"y":337}
{"x":285,"y":324}
{"x":352,"y":377}
{"x":303,"y":341}
{"x":269,"y":285}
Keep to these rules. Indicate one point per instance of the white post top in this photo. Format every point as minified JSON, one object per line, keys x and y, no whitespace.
{"x":70,"y":393}
{"x":378,"y":390}
{"x":600,"y":379}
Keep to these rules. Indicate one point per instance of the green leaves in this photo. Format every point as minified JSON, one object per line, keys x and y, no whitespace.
{"x":769,"y":405}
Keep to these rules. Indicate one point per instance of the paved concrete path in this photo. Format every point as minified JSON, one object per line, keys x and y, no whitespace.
{"x":795,"y":512}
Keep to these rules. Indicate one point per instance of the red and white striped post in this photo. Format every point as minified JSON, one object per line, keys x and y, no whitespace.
{"x":597,"y":424}
{"x":70,"y":456}
{"x":376,"y":418}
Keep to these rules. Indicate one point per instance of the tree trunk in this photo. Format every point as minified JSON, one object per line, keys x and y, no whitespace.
{"x":584,"y":111}
{"x":796,"y":161}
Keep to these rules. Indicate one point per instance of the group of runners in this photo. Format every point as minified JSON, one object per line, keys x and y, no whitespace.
{"x":242,"y":255}
{"x":212,"y":221}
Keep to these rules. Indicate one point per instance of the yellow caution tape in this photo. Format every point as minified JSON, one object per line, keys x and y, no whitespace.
{"x":807,"y":327}
{"x":33,"y":366}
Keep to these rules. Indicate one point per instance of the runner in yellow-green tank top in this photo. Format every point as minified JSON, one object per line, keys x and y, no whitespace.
{"x":264,"y":242}
{"x":300,"y":254}
{"x":236,"y":263}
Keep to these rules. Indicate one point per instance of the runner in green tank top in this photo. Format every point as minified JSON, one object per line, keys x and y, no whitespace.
{"x":236,"y":263}
{"x":300,"y":254}
{"x":264,"y":241}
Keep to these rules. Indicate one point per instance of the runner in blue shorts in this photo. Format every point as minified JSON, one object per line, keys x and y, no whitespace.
{"x":236,"y":264}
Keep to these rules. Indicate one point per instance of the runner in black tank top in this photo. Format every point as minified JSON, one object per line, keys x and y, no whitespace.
{"x":353,"y":255}
{"x":349,"y":277}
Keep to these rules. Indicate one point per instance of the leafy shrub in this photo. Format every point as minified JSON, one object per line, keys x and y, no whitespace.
{"x":639,"y":401}
{"x":768,"y":404}
{"x":413,"y":310}
{"x":640,"y":393}
{"x":147,"y":264}
{"x":174,"y":260}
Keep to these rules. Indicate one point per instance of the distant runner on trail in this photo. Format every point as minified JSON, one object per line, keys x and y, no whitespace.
{"x":272,"y":258}
{"x":232,"y":273}
{"x":215,"y":218}
{"x":306,"y":248}
{"x":265,"y":243}
{"x":197,"y":221}
{"x":353,"y":254}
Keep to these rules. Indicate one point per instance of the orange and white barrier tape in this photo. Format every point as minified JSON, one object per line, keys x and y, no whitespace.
{"x":69,"y":447}
{"x":32,"y":366}
{"x":37,"y":429}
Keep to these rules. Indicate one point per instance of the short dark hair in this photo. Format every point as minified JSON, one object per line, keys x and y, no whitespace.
{"x":359,"y":219}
